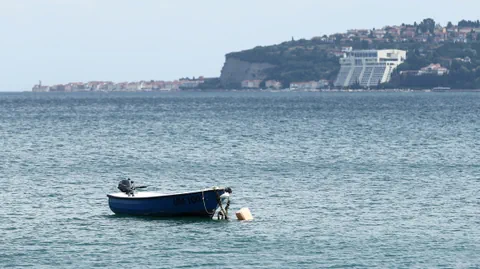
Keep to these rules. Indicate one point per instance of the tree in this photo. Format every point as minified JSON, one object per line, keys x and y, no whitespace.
{"x":365,"y":45}
{"x":465,"y":23}
{"x":338,"y":39}
{"x":262,"y":85}
{"x":388,"y":37}
{"x":470,"y":35}
{"x":449,"y":25}
{"x":427,"y":25}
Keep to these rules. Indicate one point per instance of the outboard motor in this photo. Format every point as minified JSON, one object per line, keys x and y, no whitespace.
{"x":126,"y":186}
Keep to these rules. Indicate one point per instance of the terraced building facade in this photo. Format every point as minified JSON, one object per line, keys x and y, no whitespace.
{"x":368,"y":68}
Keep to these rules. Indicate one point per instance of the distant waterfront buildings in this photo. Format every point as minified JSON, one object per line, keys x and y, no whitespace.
{"x":273,"y":84}
{"x":432,"y":69}
{"x":190,"y":84}
{"x":309,"y":85}
{"x":368,"y":68}
{"x":251,"y":84}
{"x":109,"y":86}
{"x":40,"y":88}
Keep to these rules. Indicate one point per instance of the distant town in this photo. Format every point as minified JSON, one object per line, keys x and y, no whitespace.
{"x":109,"y":86}
{"x":362,"y":58}
{"x":426,"y":31}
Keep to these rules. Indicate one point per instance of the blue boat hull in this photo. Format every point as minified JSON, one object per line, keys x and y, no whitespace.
{"x":195,"y":204}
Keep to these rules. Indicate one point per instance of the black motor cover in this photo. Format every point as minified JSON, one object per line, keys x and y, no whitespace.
{"x":126,"y":186}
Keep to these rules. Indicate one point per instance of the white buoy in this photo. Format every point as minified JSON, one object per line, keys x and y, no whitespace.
{"x":244,"y":214}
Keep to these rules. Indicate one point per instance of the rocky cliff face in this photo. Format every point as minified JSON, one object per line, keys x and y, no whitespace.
{"x":234,"y":71}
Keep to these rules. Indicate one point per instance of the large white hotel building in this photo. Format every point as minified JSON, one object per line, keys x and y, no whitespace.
{"x":368,"y":67}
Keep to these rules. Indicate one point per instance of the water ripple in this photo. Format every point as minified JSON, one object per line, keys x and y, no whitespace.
{"x":334,"y":180}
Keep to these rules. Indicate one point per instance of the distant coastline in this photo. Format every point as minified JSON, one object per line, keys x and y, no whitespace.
{"x":333,"y":90}
{"x":423,"y":55}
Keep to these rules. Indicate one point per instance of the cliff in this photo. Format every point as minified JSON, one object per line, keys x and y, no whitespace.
{"x":234,"y":71}
{"x":287,"y":62}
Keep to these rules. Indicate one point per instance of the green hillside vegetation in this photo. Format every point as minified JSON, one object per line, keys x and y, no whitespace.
{"x":305,"y":60}
{"x":462,"y":75}
{"x":301,"y":60}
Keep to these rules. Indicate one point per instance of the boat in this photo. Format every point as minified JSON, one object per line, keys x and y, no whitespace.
{"x":202,"y":203}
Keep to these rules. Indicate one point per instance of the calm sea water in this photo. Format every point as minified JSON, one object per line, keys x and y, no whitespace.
{"x":334,"y":180}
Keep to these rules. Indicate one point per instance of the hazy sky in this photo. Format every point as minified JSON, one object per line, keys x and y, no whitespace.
{"x":60,"y":41}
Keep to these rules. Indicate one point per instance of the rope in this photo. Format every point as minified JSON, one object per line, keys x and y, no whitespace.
{"x":204,"y":206}
{"x":223,"y":212}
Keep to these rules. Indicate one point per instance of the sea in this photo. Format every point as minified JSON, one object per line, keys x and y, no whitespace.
{"x":333,"y":179}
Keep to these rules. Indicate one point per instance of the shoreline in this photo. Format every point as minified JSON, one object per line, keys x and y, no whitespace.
{"x":263,"y":90}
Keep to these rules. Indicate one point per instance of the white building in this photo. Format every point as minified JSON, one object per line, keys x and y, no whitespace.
{"x":433,"y":69}
{"x":132,"y":86}
{"x":307,"y":85}
{"x":190,"y":84}
{"x":368,"y":67}
{"x":171,"y":86}
{"x":323,"y":84}
{"x":251,"y":84}
{"x":273,"y":84}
